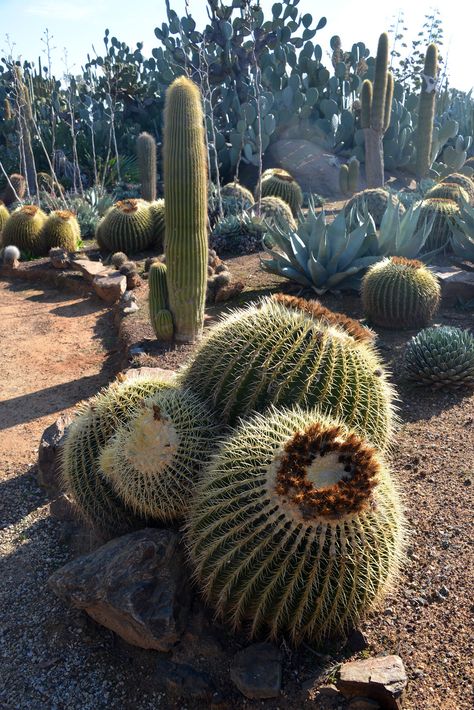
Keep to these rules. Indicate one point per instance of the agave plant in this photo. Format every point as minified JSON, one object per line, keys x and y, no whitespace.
{"x":320,"y":256}
{"x":462,"y":239}
{"x":400,"y":235}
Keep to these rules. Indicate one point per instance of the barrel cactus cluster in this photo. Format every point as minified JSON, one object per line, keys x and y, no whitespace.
{"x":441,"y":357}
{"x":24,"y":229}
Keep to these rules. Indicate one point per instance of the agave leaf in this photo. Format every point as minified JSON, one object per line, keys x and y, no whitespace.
{"x":336,"y":235}
{"x":337,"y":279}
{"x":299,"y":250}
{"x":463,"y":245}
{"x":356,"y":240}
{"x":317,"y":271}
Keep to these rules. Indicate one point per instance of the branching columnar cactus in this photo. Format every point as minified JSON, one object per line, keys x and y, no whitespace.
{"x":463,"y":181}
{"x":146,"y":154}
{"x":279,"y":183}
{"x":444,"y":213}
{"x":268,"y":354}
{"x":62,"y":229}
{"x":349,"y":176}
{"x":441,"y":357}
{"x":374,"y":201}
{"x":157,"y":209}
{"x":185,"y":176}
{"x":4,"y":215}
{"x":153,"y":461}
{"x":400,"y":293}
{"x":296,"y":528}
{"x":426,"y":112}
{"x":24,"y":229}
{"x":127,"y":226}
{"x":449,"y":191}
{"x":376,"y":107}
{"x":88,"y":434}
{"x":160,"y":315}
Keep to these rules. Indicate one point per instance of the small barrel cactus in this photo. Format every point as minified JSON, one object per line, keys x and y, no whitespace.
{"x":463,"y":181}
{"x":127,"y":226}
{"x":449,"y":191}
{"x":62,"y":229}
{"x":374,"y":201}
{"x":400,"y":293}
{"x":237,"y":192}
{"x":444,"y":213}
{"x":160,"y":315}
{"x":296,"y":528}
{"x":153,"y":461}
{"x":279,"y":183}
{"x":157,"y":209}
{"x":441,"y":357}
{"x":24,"y":229}
{"x":4,"y":215}
{"x":275,"y":211}
{"x":146,"y":154}
{"x":268,"y":354}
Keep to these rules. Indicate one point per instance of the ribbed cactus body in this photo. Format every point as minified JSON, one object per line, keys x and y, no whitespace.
{"x":239,"y":193}
{"x":275,"y":211}
{"x":4,"y":215}
{"x":127,"y":227}
{"x":449,"y":191}
{"x":160,"y":315}
{"x":463,"y":181}
{"x":268,"y":354}
{"x":153,"y":462}
{"x":296,"y":529}
{"x":375,"y":201}
{"x":426,"y":113}
{"x":157,"y":209}
{"x":88,"y":434}
{"x":349,"y":176}
{"x":62,"y":229}
{"x":441,"y":357}
{"x":24,"y":229}
{"x":279,"y":183}
{"x":185,"y":176}
{"x":146,"y":154}
{"x":444,"y":213}
{"x":400,"y":293}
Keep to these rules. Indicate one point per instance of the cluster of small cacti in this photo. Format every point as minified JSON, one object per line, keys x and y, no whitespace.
{"x":279,"y":183}
{"x":219,"y":281}
{"x":441,"y":357}
{"x":400,"y":293}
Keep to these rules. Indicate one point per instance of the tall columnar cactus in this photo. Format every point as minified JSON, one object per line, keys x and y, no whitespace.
{"x":127,"y":226}
{"x":62,"y":229}
{"x":400,"y":293}
{"x":376,"y":100}
{"x":441,"y":357}
{"x":279,"y":183}
{"x":153,"y":462}
{"x":146,"y":153}
{"x":185,"y":176}
{"x":296,"y":528}
{"x":24,"y":229}
{"x":426,"y":112}
{"x":160,"y":315}
{"x":349,"y":176}
{"x":268,"y":354}
{"x":157,"y":209}
{"x":89,"y":433}
{"x":4,"y":215}
{"x":444,"y":213}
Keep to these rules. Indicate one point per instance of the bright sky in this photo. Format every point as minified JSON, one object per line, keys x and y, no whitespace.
{"x":80,"y":24}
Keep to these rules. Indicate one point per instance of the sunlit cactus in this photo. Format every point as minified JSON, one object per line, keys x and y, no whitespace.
{"x":62,"y":230}
{"x":441,"y":357}
{"x":24,"y":229}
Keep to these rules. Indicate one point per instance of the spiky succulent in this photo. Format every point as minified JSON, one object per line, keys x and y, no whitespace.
{"x":4,"y":215}
{"x":127,"y":226}
{"x":400,"y":293}
{"x":24,"y":229}
{"x":279,"y":183}
{"x":442,"y":214}
{"x":407,"y":234}
{"x":463,"y":181}
{"x":153,"y":461}
{"x":296,"y":528}
{"x":157,"y":209}
{"x":238,"y":234}
{"x":62,"y":229}
{"x":449,"y":191}
{"x":268,"y":354}
{"x":441,"y":357}
{"x":89,"y":433}
{"x":320,"y":256}
{"x":235,"y":194}
{"x":275,"y":212}
{"x":462,"y":240}
{"x":373,"y":201}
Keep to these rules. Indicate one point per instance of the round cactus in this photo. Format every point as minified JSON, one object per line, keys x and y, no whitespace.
{"x":444,"y":213}
{"x":296,"y":527}
{"x":157,"y":209}
{"x":24,"y":229}
{"x":62,"y":229}
{"x":275,"y":211}
{"x":119,"y":259}
{"x":449,"y":191}
{"x":127,"y":226}
{"x":375,"y":201}
{"x":463,"y":181}
{"x":279,"y":183}
{"x":154,"y":461}
{"x":441,"y":357}
{"x":400,"y":293}
{"x":89,"y":433}
{"x":4,"y":215}
{"x":238,"y":193}
{"x":269,"y":354}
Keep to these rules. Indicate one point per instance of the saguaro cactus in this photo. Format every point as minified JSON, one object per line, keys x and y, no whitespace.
{"x":426,"y":112}
{"x":185,"y":177}
{"x":376,"y":107}
{"x":146,"y":153}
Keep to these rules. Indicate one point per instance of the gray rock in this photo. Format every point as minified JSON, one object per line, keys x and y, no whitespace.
{"x":184,"y":681}
{"x":383,"y":679}
{"x":256,"y":671}
{"x":110,"y":287}
{"x":356,"y":641}
{"x":90,"y":269}
{"x":62,"y":508}
{"x":456,"y":284}
{"x":59,"y":258}
{"x":134,"y":585}
{"x":48,"y":469}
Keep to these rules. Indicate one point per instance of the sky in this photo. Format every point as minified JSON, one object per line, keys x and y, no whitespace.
{"x":79,"y":25}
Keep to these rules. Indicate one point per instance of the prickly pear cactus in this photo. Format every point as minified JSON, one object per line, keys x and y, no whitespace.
{"x":441,"y":357}
{"x":62,"y":230}
{"x":400,"y":293}
{"x":24,"y":229}
{"x":444,"y":213}
{"x":374,"y":201}
{"x":127,"y":226}
{"x":296,"y":528}
{"x":279,"y":183}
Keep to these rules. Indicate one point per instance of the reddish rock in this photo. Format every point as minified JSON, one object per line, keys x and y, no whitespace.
{"x":383,"y":679}
{"x":90,"y":269}
{"x":110,"y":288}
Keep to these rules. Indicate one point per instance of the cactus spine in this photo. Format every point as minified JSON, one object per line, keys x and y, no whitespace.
{"x":376,"y":108}
{"x":146,"y":153}
{"x":426,"y":112}
{"x":185,"y":176}
{"x":62,"y":229}
{"x":160,"y":316}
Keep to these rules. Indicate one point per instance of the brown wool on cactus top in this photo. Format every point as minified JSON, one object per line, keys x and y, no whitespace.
{"x":282,"y":175}
{"x":350,"y":459}
{"x":65,"y":214}
{"x":127,"y":206}
{"x":403,"y":261}
{"x":30,"y":210}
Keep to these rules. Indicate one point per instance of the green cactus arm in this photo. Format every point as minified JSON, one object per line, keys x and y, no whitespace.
{"x":380,"y":83}
{"x":388,"y":102}
{"x":344,"y":179}
{"x":366,"y":98}
{"x":146,"y":154}
{"x":426,"y":112}
{"x":160,"y":316}
{"x":353,"y":176}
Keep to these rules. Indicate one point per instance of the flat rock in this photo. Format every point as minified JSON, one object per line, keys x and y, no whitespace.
{"x":111,"y":287}
{"x":455,"y":284}
{"x":134,"y":585}
{"x":383,"y":679}
{"x":256,"y":671}
{"x":48,"y":469}
{"x":90,"y":269}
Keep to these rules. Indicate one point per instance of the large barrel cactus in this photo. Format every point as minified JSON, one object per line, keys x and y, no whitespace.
{"x":443,"y":213}
{"x":449,"y":191}
{"x":296,"y":528}
{"x":127,"y":226}
{"x":153,"y":462}
{"x":185,"y":178}
{"x":62,"y":230}
{"x":400,"y":293}
{"x":268,"y":354}
{"x":24,"y":229}
{"x":463,"y":181}
{"x":441,"y":357}
{"x":89,"y":433}
{"x":375,"y":202}
{"x":279,"y":183}
{"x":146,"y":154}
